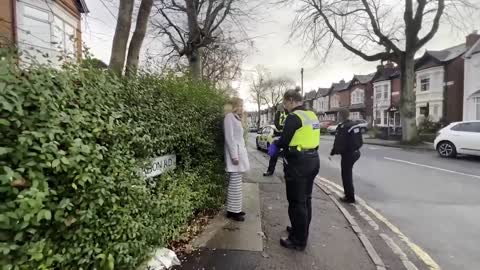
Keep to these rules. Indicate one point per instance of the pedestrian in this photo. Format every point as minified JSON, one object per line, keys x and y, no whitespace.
{"x":280,"y":117}
{"x":348,"y":141}
{"x":236,"y":157}
{"x":300,"y":139}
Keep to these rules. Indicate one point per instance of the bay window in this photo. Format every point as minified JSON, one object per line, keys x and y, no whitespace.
{"x":358,"y":96}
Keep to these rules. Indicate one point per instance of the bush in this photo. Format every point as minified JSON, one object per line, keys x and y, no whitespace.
{"x":71,"y":145}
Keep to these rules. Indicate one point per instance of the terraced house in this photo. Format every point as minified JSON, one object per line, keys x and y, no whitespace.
{"x":47,"y":31}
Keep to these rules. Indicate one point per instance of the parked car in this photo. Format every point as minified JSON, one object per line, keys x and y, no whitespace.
{"x":326,"y":123}
{"x":265,"y":137}
{"x":332,"y":129}
{"x":362,"y":123}
{"x":459,"y":138}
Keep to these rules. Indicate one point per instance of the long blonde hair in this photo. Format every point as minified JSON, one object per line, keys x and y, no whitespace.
{"x":232,"y":105}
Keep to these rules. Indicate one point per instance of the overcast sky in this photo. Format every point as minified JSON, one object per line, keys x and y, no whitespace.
{"x":273,"y":48}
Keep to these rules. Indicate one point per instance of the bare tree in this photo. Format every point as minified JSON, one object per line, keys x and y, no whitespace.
{"x":275,"y":88}
{"x":192,"y":25}
{"x":258,"y":89}
{"x":222,"y":63}
{"x":376,"y":30}
{"x":122,"y":33}
{"x":138,"y":36}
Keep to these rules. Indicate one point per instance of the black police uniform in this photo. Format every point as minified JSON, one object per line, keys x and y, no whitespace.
{"x":348,"y":141}
{"x":279,"y":125}
{"x":300,"y":168}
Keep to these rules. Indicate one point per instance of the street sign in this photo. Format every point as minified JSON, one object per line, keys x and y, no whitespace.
{"x":160,"y":165}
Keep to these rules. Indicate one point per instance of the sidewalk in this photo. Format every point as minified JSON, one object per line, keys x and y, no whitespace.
{"x":230,"y":245}
{"x":387,"y":143}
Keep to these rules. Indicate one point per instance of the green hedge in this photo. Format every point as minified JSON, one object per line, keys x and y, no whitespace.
{"x":71,"y":143}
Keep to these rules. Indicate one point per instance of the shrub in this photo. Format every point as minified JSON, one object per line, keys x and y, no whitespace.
{"x":71,"y":145}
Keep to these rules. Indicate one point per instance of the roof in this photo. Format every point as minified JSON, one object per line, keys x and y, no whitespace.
{"x":449,"y":53}
{"x":322,"y":92}
{"x":311,"y":95}
{"x":364,"y":78}
{"x":476,"y":93}
{"x":387,"y":74}
{"x":342,"y":85}
{"x":475,"y":49}
{"x":82,"y":6}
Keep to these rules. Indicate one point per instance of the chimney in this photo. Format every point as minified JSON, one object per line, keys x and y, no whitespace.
{"x":472,"y":38}
{"x":380,"y":68}
{"x":389,"y":64}
{"x":342,"y":81}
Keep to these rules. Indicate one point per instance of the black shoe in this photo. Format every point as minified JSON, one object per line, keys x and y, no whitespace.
{"x":347,"y":200}
{"x":235,"y":216}
{"x":289,"y":229}
{"x":287,"y":243}
{"x":268,"y":173}
{"x":242,"y":213}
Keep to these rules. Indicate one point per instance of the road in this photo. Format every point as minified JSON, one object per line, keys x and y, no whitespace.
{"x":434,"y":201}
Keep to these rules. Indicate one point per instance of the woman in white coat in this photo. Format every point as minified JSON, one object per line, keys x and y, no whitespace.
{"x":236,"y":157}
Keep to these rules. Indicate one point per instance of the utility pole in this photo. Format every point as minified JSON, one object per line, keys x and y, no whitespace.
{"x":301,"y":73}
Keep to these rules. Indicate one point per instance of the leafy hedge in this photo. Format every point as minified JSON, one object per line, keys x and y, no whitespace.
{"x":71,"y":143}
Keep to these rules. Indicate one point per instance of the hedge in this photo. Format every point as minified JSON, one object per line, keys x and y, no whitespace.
{"x":71,"y":145}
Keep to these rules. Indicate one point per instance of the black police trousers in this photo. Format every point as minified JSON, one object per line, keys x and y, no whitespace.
{"x":272,"y":163}
{"x":348,"y":160}
{"x":300,"y":171}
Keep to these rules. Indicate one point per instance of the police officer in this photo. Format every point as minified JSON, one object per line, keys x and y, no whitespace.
{"x":280,"y":117}
{"x":348,"y":141}
{"x":300,"y":139}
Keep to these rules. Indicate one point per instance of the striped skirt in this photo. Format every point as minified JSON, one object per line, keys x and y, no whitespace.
{"x":235,"y":195}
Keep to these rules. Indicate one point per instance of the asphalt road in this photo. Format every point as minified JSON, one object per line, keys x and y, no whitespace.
{"x":434,"y":201}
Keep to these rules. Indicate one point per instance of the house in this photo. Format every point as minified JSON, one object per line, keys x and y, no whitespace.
{"x":440,"y":83}
{"x":339,"y":98}
{"x":361,"y":91}
{"x":471,"y":96}
{"x":309,"y":99}
{"x":386,"y":97}
{"x":44,"y":30}
{"x":321,"y":102}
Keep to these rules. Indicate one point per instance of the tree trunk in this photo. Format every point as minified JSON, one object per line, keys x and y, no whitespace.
{"x":408,"y":104}
{"x":138,"y":37}
{"x":195,"y":63}
{"x":120,"y":39}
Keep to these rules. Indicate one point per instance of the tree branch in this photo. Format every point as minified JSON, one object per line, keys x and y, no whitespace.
{"x":435,"y":26}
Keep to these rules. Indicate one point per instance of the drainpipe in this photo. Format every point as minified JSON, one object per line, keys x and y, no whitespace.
{"x":445,"y":95}
{"x":14,"y":21}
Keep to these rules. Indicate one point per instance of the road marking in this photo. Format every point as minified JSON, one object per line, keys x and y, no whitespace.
{"x":414,"y":247}
{"x":397,"y":250}
{"x":367,"y":218}
{"x":432,"y":167}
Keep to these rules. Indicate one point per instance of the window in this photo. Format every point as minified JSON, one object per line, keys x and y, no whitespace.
{"x":477,"y":106}
{"x":63,"y":36}
{"x":358,"y":96}
{"x":378,"y":92}
{"x":424,"y":84}
{"x":378,"y":118}
{"x":467,"y":127}
{"x":435,"y":110}
{"x":424,"y":111}
{"x":385,"y":92}
{"x":382,"y":92}
{"x":36,"y":27}
{"x":356,"y":115}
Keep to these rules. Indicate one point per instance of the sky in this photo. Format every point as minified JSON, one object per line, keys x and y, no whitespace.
{"x":273,"y":48}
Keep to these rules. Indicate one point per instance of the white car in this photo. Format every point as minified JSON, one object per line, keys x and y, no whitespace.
{"x":332,"y":129}
{"x":362,"y":124}
{"x":459,"y":138}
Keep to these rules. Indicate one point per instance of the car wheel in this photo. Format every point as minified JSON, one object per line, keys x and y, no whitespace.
{"x":446,"y":149}
{"x":258,"y":146}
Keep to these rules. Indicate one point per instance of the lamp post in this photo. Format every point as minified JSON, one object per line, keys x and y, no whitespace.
{"x":301,"y":74}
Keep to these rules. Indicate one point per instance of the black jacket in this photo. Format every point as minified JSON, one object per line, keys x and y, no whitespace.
{"x":347,"y":139}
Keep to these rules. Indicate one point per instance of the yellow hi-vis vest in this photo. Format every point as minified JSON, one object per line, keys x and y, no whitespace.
{"x":308,"y":136}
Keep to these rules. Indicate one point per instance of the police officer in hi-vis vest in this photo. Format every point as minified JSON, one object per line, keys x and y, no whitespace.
{"x":300,"y":139}
{"x":280,"y":117}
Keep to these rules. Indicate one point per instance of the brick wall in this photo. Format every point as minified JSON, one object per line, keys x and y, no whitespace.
{"x":6,"y":21}
{"x":454,"y":93}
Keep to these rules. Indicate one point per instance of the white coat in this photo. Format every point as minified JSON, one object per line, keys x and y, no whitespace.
{"x":235,"y":144}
